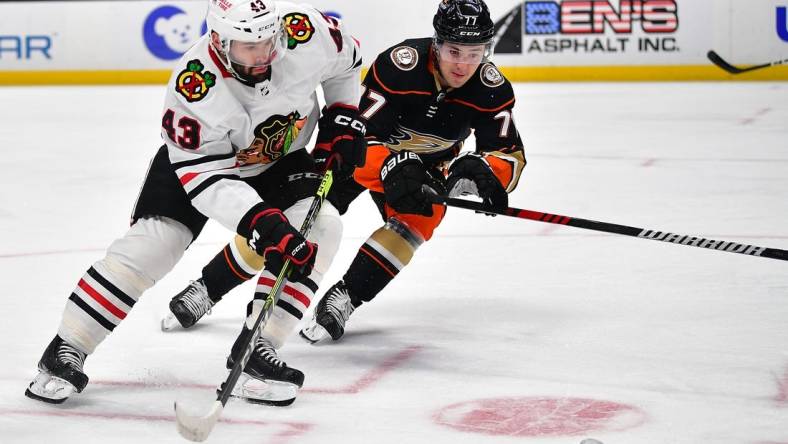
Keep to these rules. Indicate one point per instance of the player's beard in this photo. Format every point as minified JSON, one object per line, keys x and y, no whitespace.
{"x":251,"y":74}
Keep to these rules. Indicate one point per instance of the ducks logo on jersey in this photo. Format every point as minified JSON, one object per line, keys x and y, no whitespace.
{"x":273,"y":139}
{"x":299,"y":29}
{"x":192,"y":83}
{"x":421,"y":143}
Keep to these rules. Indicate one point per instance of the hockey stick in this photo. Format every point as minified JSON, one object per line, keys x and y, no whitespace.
{"x":717,"y":60}
{"x":197,"y":428}
{"x":692,"y":241}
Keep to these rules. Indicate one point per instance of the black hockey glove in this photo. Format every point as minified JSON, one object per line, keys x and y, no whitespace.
{"x":276,"y":240}
{"x":471,"y":174}
{"x":340,"y":144}
{"x":406,"y":184}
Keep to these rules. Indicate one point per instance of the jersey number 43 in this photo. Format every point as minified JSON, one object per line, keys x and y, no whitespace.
{"x":187,"y":135}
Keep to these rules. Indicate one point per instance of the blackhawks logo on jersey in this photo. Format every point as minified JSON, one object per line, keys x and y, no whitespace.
{"x":192,"y":83}
{"x":299,"y":29}
{"x":272,"y":139}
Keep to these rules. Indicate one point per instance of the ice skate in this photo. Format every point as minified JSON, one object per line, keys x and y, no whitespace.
{"x":330,"y":316}
{"x":60,"y":373}
{"x":266,"y":379}
{"x":188,"y":306}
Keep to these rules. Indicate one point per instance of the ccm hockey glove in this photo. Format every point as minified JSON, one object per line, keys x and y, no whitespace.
{"x":406,"y":183}
{"x":471,"y":174}
{"x":340,"y":142}
{"x":276,"y":240}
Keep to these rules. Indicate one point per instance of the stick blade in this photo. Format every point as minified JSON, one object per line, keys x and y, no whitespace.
{"x":717,"y":60}
{"x":722,"y":64}
{"x":197,"y":428}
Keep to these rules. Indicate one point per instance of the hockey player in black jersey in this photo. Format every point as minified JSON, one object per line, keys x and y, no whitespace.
{"x":422,"y":99}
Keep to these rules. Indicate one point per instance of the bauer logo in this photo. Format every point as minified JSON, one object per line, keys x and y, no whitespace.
{"x":782,"y":23}
{"x":589,"y":26}
{"x":170,"y":31}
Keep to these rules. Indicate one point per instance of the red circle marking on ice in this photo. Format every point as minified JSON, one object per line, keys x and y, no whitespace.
{"x":539,"y":416}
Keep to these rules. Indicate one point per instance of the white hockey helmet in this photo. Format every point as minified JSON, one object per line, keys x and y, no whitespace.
{"x":251,"y":33}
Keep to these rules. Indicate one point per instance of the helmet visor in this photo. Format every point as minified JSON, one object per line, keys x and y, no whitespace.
{"x":463,"y":54}
{"x":259,"y":54}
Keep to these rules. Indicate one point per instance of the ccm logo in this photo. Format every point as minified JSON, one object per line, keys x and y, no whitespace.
{"x":396,"y":160}
{"x":298,"y":248}
{"x":352,"y":123}
{"x":471,"y":33}
{"x":299,"y":176}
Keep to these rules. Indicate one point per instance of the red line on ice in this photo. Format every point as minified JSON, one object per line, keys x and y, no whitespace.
{"x":548,"y":230}
{"x":295,"y":429}
{"x":362,"y":383}
{"x":759,"y":113}
{"x":782,"y":389}
{"x":373,"y":375}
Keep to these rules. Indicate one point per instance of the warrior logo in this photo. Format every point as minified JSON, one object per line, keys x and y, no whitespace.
{"x":299,"y":29}
{"x":405,"y":57}
{"x":273,"y":139}
{"x":192,"y":83}
{"x":711,"y":244}
{"x":491,"y":76}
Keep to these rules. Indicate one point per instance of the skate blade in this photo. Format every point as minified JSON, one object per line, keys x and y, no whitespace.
{"x":314,"y":333}
{"x":170,"y":323}
{"x":48,"y":388}
{"x":268,"y":391}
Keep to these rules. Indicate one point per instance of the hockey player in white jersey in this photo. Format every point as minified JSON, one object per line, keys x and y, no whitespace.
{"x":239,"y":110}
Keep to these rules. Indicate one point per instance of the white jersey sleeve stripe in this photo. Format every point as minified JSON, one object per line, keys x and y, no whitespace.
{"x":185,"y":175}
{"x":198,"y":160}
{"x":197,"y":188}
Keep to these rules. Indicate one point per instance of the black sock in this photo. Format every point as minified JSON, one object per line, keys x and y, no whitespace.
{"x":222,"y":274}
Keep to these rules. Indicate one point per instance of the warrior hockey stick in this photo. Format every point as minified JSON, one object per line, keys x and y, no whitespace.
{"x":717,"y":60}
{"x":197,"y":428}
{"x":692,"y":241}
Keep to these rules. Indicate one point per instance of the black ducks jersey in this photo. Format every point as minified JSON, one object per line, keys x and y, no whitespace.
{"x":407,"y":109}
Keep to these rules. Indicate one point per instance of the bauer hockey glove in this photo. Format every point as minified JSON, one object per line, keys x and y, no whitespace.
{"x":471,"y":174}
{"x":276,"y":240}
{"x":340,"y":144}
{"x":406,"y":184}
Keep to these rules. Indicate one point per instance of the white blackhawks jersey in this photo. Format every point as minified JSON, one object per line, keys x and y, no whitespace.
{"x":218,"y":129}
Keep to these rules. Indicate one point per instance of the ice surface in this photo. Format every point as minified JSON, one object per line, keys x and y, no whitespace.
{"x":511,"y":330}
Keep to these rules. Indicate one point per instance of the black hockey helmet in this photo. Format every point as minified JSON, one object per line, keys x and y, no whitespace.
{"x":466,"y":22}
